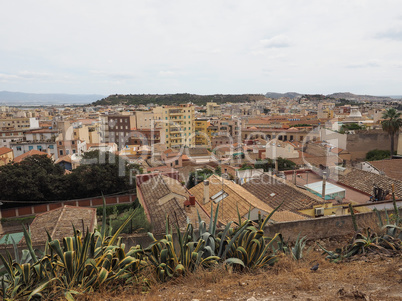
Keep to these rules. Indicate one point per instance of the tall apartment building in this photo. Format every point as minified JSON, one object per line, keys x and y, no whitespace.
{"x":177,"y":125}
{"x":117,"y":129}
{"x":144,"y":119}
{"x":201,"y":131}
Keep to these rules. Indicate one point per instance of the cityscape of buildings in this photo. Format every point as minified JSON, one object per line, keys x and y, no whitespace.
{"x":323,"y":146}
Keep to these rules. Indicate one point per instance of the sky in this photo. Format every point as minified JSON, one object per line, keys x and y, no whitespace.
{"x":201,"y":47}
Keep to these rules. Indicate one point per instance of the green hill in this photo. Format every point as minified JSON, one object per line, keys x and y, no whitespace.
{"x":174,"y":99}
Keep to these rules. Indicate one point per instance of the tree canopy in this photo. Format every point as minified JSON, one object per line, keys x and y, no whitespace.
{"x":391,"y":124}
{"x":377,"y":154}
{"x":38,"y":179}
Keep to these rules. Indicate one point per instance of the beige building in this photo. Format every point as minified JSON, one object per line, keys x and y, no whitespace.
{"x":213,"y":109}
{"x":144,"y":119}
{"x":18,"y":123}
{"x":276,"y":149}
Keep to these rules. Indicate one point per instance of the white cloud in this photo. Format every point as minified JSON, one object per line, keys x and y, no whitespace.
{"x":200,"y":47}
{"x":280,"y":41}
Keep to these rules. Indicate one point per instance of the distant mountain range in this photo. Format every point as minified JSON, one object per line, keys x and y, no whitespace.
{"x":19,"y":98}
{"x":338,"y":95}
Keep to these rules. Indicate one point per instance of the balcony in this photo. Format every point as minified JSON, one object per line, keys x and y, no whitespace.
{"x":175,"y":130}
{"x":175,"y":112}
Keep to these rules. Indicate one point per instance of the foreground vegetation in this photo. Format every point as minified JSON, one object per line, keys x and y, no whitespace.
{"x":98,"y":263}
{"x":88,"y":263}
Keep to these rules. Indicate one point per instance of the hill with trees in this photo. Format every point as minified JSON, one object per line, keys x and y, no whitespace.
{"x":175,"y":99}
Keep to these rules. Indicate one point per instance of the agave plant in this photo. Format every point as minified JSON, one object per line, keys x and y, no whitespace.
{"x":297,"y":249}
{"x":248,"y":247}
{"x":169,"y":262}
{"x":74,"y":266}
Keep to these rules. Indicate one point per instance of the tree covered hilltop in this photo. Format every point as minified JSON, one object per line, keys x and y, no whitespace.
{"x":170,"y":99}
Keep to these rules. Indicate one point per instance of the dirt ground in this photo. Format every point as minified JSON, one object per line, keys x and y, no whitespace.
{"x":365,"y":278}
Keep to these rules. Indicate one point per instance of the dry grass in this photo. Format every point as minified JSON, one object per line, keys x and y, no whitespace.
{"x":377,"y":279}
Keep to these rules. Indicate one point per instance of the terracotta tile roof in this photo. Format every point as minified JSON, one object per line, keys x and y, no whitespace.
{"x":391,"y":168}
{"x":58,"y":222}
{"x":66,"y":158}
{"x":5,"y":150}
{"x":273,"y":191}
{"x":238,"y":197}
{"x":29,"y":154}
{"x":364,"y":181}
{"x":197,"y":151}
{"x":316,"y":161}
{"x":163,"y":196}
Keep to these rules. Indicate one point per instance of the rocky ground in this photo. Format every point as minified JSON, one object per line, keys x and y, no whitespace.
{"x":372,"y":277}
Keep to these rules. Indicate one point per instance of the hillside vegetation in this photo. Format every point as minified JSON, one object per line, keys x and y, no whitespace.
{"x":174,"y":99}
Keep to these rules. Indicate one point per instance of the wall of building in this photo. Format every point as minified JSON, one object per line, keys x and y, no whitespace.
{"x":323,"y":227}
{"x":361,"y":142}
{"x":89,"y":202}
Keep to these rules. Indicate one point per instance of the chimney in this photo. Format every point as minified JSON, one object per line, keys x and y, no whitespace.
{"x":324,"y":180}
{"x":206,"y":191}
{"x":192,"y":200}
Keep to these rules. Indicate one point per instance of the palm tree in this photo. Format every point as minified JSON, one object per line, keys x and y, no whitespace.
{"x":391,"y":124}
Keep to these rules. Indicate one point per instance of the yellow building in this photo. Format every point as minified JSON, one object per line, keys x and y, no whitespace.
{"x":6,"y":155}
{"x":201,"y":132}
{"x":326,"y":110}
{"x":177,"y":123}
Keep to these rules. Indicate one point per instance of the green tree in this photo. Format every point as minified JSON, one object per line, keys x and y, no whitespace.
{"x":198,"y":176}
{"x":391,"y":124}
{"x":102,"y":173}
{"x":34,"y":179}
{"x":352,"y":126}
{"x":377,"y":154}
{"x":267,"y":164}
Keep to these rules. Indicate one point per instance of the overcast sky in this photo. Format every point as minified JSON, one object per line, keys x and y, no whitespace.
{"x":202,"y":47}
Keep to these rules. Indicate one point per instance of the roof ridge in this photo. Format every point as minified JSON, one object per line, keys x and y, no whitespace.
{"x":58,"y":220}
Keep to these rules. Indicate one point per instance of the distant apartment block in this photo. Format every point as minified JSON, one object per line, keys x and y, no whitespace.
{"x":117,"y":129}
{"x":18,"y":123}
{"x":177,"y":125}
{"x":201,"y":131}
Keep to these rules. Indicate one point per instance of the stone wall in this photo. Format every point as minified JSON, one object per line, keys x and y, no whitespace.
{"x":361,"y":142}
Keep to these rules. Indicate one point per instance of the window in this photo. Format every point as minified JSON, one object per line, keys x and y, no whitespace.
{"x":176,"y":162}
{"x":59,"y":142}
{"x":51,"y":146}
{"x":18,"y":148}
{"x":219,"y":196}
{"x":73,"y":151}
{"x":39,"y":147}
{"x":61,"y":153}
{"x":30,"y":147}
